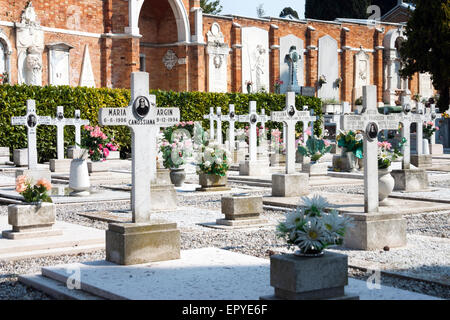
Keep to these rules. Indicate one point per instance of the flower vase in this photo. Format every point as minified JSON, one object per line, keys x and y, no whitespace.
{"x":386,"y":183}
{"x":352,"y":161}
{"x":177,"y":176}
{"x":79,"y":180}
{"x":249,"y":88}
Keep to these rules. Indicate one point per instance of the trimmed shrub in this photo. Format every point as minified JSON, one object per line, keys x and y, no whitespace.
{"x":193,"y":105}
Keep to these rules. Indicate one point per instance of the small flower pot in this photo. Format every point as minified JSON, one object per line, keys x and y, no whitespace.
{"x":177,"y":176}
{"x":212,"y":180}
{"x":79,"y":180}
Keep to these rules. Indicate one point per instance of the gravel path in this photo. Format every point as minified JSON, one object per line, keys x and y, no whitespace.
{"x":423,"y":255}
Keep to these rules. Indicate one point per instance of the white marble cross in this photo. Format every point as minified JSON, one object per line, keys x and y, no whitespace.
{"x":406,"y":119}
{"x":426,"y":114}
{"x":307,"y":122}
{"x":212,"y":117}
{"x":78,"y":122}
{"x":144,"y":119}
{"x":218,"y":119}
{"x":60,"y":122}
{"x":253,"y":119}
{"x":290,"y":116}
{"x":370,"y":122}
{"x":31,"y":120}
{"x":231,"y":119}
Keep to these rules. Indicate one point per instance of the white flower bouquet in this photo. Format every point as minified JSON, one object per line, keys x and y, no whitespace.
{"x":311,"y":228}
{"x":213,"y":159}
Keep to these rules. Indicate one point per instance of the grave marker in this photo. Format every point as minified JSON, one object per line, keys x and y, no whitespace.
{"x":78,"y":122}
{"x":144,"y":240}
{"x":290,"y":116}
{"x":60,"y":122}
{"x":212,"y":117}
{"x":373,"y":230}
{"x":370,"y":122}
{"x":231,"y":119}
{"x":252,"y":166}
{"x":31,"y":120}
{"x":142,"y":117}
{"x":218,"y":119}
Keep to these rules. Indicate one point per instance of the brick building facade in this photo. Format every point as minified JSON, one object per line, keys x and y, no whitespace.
{"x":185,"y":50}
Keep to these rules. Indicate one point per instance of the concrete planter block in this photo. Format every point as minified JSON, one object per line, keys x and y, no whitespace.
{"x":290,"y":185}
{"x":74,"y":153}
{"x":331,"y":108}
{"x":113,"y":155}
{"x":277,"y":159}
{"x":212,"y":180}
{"x":253,"y":168}
{"x":421,"y":160}
{"x":410,"y":180}
{"x":4,"y":151}
{"x":163,"y":193}
{"x":299,"y":158}
{"x":20,"y":157}
{"x":238,"y":156}
{"x":4,"y":159}
{"x":437,"y":149}
{"x":62,"y":165}
{"x":374,"y":231}
{"x":138,"y":243}
{"x":238,"y":208}
{"x":35,"y":175}
{"x":315,"y":169}
{"x":31,"y":221}
{"x":98,"y":166}
{"x":299,"y":278}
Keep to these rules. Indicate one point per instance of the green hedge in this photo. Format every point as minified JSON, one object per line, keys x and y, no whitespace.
{"x":193,"y":106}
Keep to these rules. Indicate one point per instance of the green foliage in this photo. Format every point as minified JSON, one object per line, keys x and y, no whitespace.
{"x":427,"y":48}
{"x":211,"y":6}
{"x":332,"y":9}
{"x":289,"y":11}
{"x":351,"y":142}
{"x":315,"y":148}
{"x":33,"y":193}
{"x":193,"y":105}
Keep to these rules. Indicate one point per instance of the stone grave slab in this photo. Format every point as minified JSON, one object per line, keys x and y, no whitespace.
{"x":74,"y":239}
{"x":205,"y":274}
{"x":440,"y":195}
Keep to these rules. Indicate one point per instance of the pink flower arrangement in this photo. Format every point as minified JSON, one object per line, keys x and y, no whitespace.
{"x":97,"y":143}
{"x":36,"y":193}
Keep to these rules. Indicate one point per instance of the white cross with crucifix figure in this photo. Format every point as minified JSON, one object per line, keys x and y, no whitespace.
{"x":212,"y":117}
{"x":253,"y":119}
{"x":78,"y":122}
{"x":370,"y":122}
{"x":290,"y":116}
{"x":144,"y":119}
{"x":231,"y":119}
{"x":31,"y":120}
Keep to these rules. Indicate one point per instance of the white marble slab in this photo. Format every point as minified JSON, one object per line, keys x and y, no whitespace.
{"x":200,"y":274}
{"x":255,"y":58}
{"x":328,"y":67}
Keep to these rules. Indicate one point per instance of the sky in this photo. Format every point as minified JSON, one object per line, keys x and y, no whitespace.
{"x":271,"y":7}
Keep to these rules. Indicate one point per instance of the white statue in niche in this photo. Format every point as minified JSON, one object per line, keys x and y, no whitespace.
{"x":259,"y":67}
{"x":33,"y":67}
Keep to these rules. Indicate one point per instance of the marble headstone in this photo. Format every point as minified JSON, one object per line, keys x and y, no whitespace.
{"x":285,"y":44}
{"x":255,"y":59}
{"x":217,"y":51}
{"x":328,"y":67}
{"x":362,"y":73}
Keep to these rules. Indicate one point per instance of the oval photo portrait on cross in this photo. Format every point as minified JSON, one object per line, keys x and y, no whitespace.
{"x":141,"y":107}
{"x":32,"y":121}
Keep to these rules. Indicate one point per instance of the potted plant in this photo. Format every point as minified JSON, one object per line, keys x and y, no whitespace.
{"x":212,"y":165}
{"x":96,"y":145}
{"x":38,"y":213}
{"x":315,"y":148}
{"x":331,"y":106}
{"x":277,"y":85}
{"x":386,"y":156}
{"x":428,"y":130}
{"x":313,"y":228}
{"x":4,"y":78}
{"x":352,"y":146}
{"x":176,"y":147}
